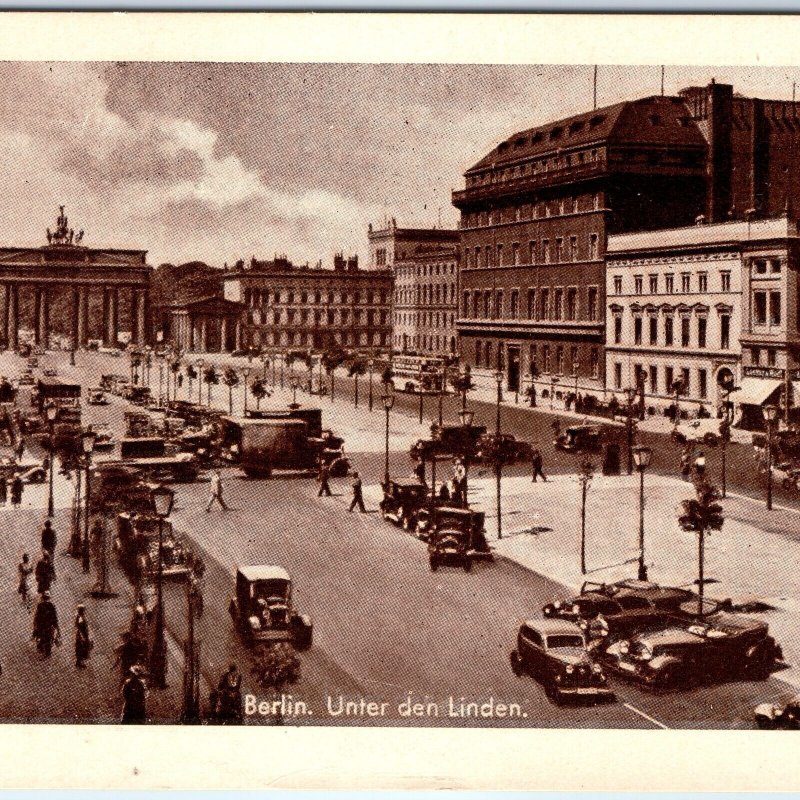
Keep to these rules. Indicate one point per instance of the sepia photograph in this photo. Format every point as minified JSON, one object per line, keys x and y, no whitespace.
{"x":410,"y":395}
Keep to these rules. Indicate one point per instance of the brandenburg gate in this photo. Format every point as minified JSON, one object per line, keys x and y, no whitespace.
{"x":82,"y":293}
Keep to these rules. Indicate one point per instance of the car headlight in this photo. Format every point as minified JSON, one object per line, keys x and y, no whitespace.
{"x":570,"y":669}
{"x":255,"y":623}
{"x":557,"y":604}
{"x":624,"y":646}
{"x":597,"y":669}
{"x":548,"y":610}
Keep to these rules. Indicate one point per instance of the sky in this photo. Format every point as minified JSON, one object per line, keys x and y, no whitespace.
{"x":216,"y":162}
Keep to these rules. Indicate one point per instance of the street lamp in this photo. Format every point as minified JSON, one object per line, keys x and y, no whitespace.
{"x":160,"y":380}
{"x":295,"y":383}
{"x":642,"y":382}
{"x":52,"y":413}
{"x":499,"y":452}
{"x":371,"y":367}
{"x":421,"y":396}
{"x":466,"y":416}
{"x":200,"y":363}
{"x":162,"y":497}
{"x":87,"y":446}
{"x":725,"y":429}
{"x":771,"y":415}
{"x":245,"y":373}
{"x":630,"y":393}
{"x":283,"y":361}
{"x":642,"y":456}
{"x":388,"y":403}
{"x":442,"y":386}
{"x":553,"y":382}
{"x":575,"y":366}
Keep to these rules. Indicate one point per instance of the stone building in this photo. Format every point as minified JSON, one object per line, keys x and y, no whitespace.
{"x":285,"y":305}
{"x":702,"y":303}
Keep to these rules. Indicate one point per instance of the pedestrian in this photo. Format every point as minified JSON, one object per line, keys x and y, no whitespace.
{"x":20,"y":448}
{"x":229,"y":697}
{"x":556,"y":426}
{"x":216,"y":491}
{"x":700,"y":464}
{"x":134,"y":698}
{"x":83,"y":641}
{"x":419,"y":472}
{"x":536,"y":466}
{"x":46,"y":632}
{"x":532,"y":395}
{"x":323,"y":478}
{"x":459,"y":482}
{"x":358,"y":494}
{"x":49,"y":539}
{"x":44,"y":573}
{"x":24,"y":569}
{"x":3,"y":490}
{"x":128,"y":653}
{"x":686,"y":462}
{"x":444,"y":493}
{"x":16,"y":491}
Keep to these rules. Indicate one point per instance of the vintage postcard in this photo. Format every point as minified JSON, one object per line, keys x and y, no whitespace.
{"x":376,"y":400}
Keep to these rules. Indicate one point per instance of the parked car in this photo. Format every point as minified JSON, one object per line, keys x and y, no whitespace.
{"x":104,"y":438}
{"x":513,"y":448}
{"x":455,"y":534}
{"x":580,"y":439}
{"x":683,"y":652}
{"x":26,"y":379}
{"x":697,"y":431}
{"x":402,"y":500}
{"x":33,"y":474}
{"x":96,"y":397}
{"x":50,"y":372}
{"x":779,"y":715}
{"x":554,"y":652}
{"x":786,"y":474}
{"x":449,"y":440}
{"x":262,"y":608}
{"x":110,"y":351}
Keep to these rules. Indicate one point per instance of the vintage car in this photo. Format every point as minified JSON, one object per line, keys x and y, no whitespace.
{"x":402,"y":500}
{"x":683,"y":652}
{"x":786,"y":474}
{"x":456,"y":534}
{"x":514,"y":450}
{"x":26,"y":379}
{"x":779,"y":715}
{"x":580,"y":439}
{"x":136,"y":543}
{"x":103,"y":437}
{"x":553,"y":651}
{"x":697,"y":431}
{"x":452,"y":440}
{"x":262,"y":608}
{"x":50,"y":372}
{"x":96,"y":397}
{"x":32,"y":473}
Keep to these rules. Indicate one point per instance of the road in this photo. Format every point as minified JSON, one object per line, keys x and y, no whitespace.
{"x":386,"y":628}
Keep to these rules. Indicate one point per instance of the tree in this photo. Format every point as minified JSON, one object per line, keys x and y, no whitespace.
{"x":357,"y":368}
{"x":462,"y":383}
{"x":331,"y":360}
{"x":231,"y":379}
{"x":276,"y":666}
{"x":702,"y":514}
{"x":211,"y":378}
{"x":258,"y":389}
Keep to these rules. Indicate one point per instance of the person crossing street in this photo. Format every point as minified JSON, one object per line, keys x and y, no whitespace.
{"x":323,"y":477}
{"x":537,"y":466}
{"x":49,"y":539}
{"x":216,"y":491}
{"x":46,"y":631}
{"x":44,"y":573}
{"x":83,"y":640}
{"x":358,"y":494}
{"x":24,"y":569}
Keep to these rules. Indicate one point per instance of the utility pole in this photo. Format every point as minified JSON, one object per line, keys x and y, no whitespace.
{"x":594,"y":89}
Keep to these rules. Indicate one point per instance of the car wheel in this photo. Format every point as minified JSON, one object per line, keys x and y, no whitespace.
{"x":761,"y":665}
{"x":788,"y":484}
{"x":670,"y":677}
{"x":467,"y":564}
{"x":553,"y":695}
{"x":516,"y":664}
{"x":711,"y":439}
{"x":434,"y":562}
{"x":765,"y":723}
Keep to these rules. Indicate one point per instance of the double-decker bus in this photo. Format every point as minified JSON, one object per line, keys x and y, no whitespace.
{"x":419,"y":374}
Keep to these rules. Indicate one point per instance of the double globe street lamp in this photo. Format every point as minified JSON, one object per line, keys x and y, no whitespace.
{"x":771,"y":416}
{"x":87,"y":446}
{"x":466,"y":416}
{"x":388,"y":403}
{"x":642,"y":456}
{"x":163,"y":498}
{"x":52,"y":414}
{"x":245,"y":374}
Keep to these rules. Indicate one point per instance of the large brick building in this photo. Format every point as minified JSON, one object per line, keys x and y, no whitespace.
{"x":536,"y":212}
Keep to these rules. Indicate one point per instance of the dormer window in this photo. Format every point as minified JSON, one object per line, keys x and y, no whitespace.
{"x":655,"y":119}
{"x":556,"y":133}
{"x":596,"y":120}
{"x":575,"y":127}
{"x":536,"y":138}
{"x":521,"y":142}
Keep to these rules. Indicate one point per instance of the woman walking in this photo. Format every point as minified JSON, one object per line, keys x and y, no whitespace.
{"x":24,"y":569}
{"x":83,"y":641}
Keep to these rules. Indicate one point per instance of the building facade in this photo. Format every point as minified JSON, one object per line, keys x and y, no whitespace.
{"x":206,"y":324}
{"x":701,"y":304}
{"x":73,"y":292}
{"x":426,"y":298}
{"x":285,"y":305}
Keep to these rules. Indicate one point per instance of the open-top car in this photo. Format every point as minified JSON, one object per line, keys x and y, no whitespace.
{"x":580,"y":439}
{"x":683,"y":652}
{"x":697,"y":431}
{"x":779,"y":715}
{"x":402,"y":500}
{"x":553,"y":651}
{"x":456,"y":535}
{"x":262,"y":608}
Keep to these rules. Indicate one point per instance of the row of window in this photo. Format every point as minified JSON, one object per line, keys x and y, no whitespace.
{"x":669,"y":283}
{"x":294,"y":338}
{"x":528,"y":211}
{"x":542,"y":304}
{"x":303,"y":316}
{"x":257,"y":298}
{"x":541,"y":165}
{"x":544,"y":358}
{"x":668,"y":338}
{"x":424,"y":318}
{"x":427,"y":294}
{"x":655,"y":386}
{"x":425,"y":342}
{"x":424,"y":270}
{"x":562,"y":249}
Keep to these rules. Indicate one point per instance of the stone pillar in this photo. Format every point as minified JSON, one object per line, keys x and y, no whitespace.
{"x":192,"y":336}
{"x":238,"y":333}
{"x":37,"y":314}
{"x":223,"y":334}
{"x":146,"y":323}
{"x":4,"y":313}
{"x":134,"y":313}
{"x":75,"y":311}
{"x":141,"y":318}
{"x":44,"y":319}
{"x":114,"y":316}
{"x":105,"y":316}
{"x":83,"y":316}
{"x":203,"y":337}
{"x":12,"y":316}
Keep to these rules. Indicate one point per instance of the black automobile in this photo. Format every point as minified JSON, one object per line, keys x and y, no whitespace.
{"x":779,"y":715}
{"x":553,"y":651}
{"x":402,"y":500}
{"x":513,"y":449}
{"x":456,"y":535}
{"x":580,"y":439}
{"x":684,"y":652}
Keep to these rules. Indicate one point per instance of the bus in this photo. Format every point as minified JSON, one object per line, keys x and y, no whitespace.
{"x":419,"y":374}
{"x":65,"y":396}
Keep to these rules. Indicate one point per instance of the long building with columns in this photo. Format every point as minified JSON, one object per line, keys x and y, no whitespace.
{"x":79,"y":292}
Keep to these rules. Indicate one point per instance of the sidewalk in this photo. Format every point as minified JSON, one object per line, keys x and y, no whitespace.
{"x":52,"y":690}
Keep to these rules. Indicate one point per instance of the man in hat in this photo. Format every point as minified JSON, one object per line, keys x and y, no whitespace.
{"x":229,"y":697}
{"x":45,"y":625}
{"x":323,"y":477}
{"x":216,"y":491}
{"x":134,"y":698}
{"x":358,"y":494}
{"x":44,"y":573}
{"x":49,"y":539}
{"x":83,"y":641}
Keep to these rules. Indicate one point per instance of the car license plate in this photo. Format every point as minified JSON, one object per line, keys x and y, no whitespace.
{"x":586,"y":691}
{"x":627,"y":667}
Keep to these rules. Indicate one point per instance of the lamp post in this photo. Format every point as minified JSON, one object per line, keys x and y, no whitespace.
{"x":575,"y":366}
{"x":725,"y":430}
{"x":200,"y":363}
{"x":553,"y":382}
{"x":585,"y":475}
{"x":370,"y":367}
{"x":283,"y":361}
{"x":499,"y":453}
{"x":771,"y":415}
{"x":388,"y":402}
{"x":466,"y":418}
{"x":190,"y":713}
{"x":265,"y":363}
{"x":641,"y":383}
{"x":87,"y":445}
{"x":642,"y":456}
{"x":52,"y":413}
{"x":160,"y":379}
{"x":295,"y":383}
{"x":677,"y":389}
{"x":630,"y":392}
{"x":163,"y":498}
{"x":245,"y":373}
{"x":442,"y":385}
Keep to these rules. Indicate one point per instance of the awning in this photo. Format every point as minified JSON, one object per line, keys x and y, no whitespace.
{"x":755,"y":391}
